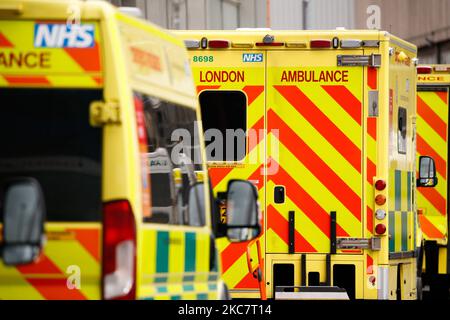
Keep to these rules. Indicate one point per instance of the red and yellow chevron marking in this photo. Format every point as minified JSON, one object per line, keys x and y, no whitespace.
{"x":432,"y":132}
{"x":319,"y":158}
{"x":23,"y":64}
{"x":66,"y":248}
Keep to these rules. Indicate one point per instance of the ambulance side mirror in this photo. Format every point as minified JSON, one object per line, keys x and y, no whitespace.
{"x":427,"y":172}
{"x":242,"y":211}
{"x":23,"y":216}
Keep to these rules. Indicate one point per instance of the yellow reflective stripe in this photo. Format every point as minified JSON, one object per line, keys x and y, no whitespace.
{"x":176,"y":256}
{"x":202,"y":252}
{"x":319,"y":192}
{"x":321,"y":146}
{"x":432,"y":138}
{"x":430,"y":208}
{"x":435,"y":103}
{"x":335,"y":112}
{"x":76,"y":80}
{"x":15,"y":286}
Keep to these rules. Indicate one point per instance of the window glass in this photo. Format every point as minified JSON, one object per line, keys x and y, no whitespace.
{"x":401,"y":132}
{"x":225,"y":123}
{"x":45,"y":134}
{"x":173,"y":157}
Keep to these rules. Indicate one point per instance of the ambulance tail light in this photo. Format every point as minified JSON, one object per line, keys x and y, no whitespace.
{"x":380,"y":228}
{"x":119,"y":251}
{"x":380,"y":185}
{"x":424,"y":70}
{"x":320,"y":43}
{"x":218,"y":44}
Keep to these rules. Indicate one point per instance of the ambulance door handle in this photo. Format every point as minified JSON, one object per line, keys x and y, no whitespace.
{"x":278,"y":194}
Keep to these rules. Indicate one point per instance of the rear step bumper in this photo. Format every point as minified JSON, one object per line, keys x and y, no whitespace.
{"x":310,"y":293}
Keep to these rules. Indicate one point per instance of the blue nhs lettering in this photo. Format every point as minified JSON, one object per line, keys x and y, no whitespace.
{"x":51,"y":35}
{"x":252,"y":57}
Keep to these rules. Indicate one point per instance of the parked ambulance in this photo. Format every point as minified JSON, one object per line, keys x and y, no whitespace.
{"x":329,"y":122}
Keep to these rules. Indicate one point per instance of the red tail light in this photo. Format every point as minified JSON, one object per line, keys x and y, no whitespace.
{"x":380,"y":185}
{"x":219,"y":44}
{"x":424,"y":70}
{"x":269,"y":44}
{"x":320,"y":44}
{"x":380,"y":228}
{"x":119,"y":251}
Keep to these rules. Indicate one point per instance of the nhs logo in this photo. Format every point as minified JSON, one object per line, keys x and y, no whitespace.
{"x":52,"y":35}
{"x":252,"y":57}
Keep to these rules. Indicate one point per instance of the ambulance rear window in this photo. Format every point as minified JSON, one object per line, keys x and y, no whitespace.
{"x":45,"y":134}
{"x":224,"y":120}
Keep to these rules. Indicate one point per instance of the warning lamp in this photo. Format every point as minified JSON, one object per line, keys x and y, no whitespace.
{"x":380,"y":199}
{"x":424,"y":70}
{"x":320,"y":44}
{"x":380,"y":228}
{"x":218,"y":44}
{"x":380,"y":185}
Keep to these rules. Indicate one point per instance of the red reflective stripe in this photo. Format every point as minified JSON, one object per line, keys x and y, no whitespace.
{"x":248,"y":282}
{"x":27,"y":80}
{"x":372,"y":127}
{"x":372,"y":78}
{"x":252,"y":92}
{"x":433,"y":120}
{"x":424,"y":149}
{"x":90,"y":240}
{"x":42,"y":266}
{"x":201,"y":88}
{"x":429,"y":229}
{"x":443,"y":95}
{"x":323,"y":124}
{"x":371,"y":171}
{"x":435,"y":198}
{"x":280,"y":226}
{"x":4,"y":42}
{"x":369,"y":219}
{"x":55,"y":289}
{"x":346,"y":100}
{"x":87,"y":58}
{"x":218,"y":174}
{"x":317,"y":166}
{"x":231,"y":253}
{"x":305,"y":202}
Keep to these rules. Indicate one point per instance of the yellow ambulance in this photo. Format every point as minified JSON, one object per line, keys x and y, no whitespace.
{"x":103,"y":186}
{"x":323,"y":124}
{"x":433,"y":83}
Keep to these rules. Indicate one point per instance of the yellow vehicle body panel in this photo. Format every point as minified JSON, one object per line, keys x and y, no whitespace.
{"x":326,"y":146}
{"x":127,"y":55}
